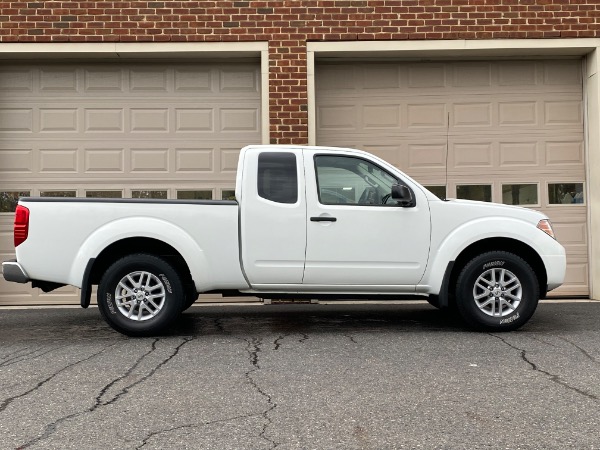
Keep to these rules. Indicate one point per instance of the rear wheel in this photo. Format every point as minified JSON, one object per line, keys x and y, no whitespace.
{"x":497,"y":291}
{"x":140,"y":295}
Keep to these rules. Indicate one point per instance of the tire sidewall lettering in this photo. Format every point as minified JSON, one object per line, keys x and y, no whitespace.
{"x":110,"y":304}
{"x":509,"y":319}
{"x":166,"y":282}
{"x":493,"y":264}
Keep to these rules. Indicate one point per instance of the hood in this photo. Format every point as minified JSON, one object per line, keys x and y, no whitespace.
{"x":471,"y":209}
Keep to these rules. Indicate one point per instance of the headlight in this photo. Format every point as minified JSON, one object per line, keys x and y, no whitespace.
{"x":546,"y":227}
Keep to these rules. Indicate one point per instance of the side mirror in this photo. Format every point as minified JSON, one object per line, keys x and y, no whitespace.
{"x":402,"y":195}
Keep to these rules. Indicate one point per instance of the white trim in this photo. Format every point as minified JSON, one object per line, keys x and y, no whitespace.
{"x":592,"y":138}
{"x":265,"y":93}
{"x":312,"y":97}
{"x":132,"y":50}
{"x":490,"y":48}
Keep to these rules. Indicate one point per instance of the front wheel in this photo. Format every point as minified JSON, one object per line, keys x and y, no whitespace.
{"x":497,"y":291}
{"x":140,"y":295}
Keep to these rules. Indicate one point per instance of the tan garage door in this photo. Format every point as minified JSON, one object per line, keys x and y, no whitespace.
{"x":514,"y":132}
{"x":120,"y":130}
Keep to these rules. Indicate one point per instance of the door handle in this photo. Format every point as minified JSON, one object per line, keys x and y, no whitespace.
{"x":323,"y":219}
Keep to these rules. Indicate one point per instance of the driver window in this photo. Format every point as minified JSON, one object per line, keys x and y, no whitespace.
{"x":352,"y":181}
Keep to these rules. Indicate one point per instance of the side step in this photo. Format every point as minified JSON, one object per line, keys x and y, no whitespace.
{"x":288,"y":301}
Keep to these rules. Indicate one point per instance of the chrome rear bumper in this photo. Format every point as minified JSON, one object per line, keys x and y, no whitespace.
{"x":13,"y":271}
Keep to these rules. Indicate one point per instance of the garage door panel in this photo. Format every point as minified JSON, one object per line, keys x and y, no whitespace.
{"x":194,"y":160}
{"x":104,"y":160}
{"x":95,"y":128}
{"x":565,"y":152}
{"x":15,"y":161}
{"x":430,"y":76}
{"x":15,"y":119}
{"x":562,"y":73}
{"x":576,"y":278}
{"x":500,"y":124}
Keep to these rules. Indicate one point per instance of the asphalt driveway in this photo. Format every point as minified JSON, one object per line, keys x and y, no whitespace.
{"x":301,"y":377}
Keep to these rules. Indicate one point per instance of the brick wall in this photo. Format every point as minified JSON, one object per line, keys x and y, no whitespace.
{"x":287,"y":25}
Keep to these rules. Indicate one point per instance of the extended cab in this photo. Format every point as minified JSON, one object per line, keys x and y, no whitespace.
{"x":312,"y":222}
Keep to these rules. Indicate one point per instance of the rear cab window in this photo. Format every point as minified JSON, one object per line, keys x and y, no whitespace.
{"x":278,"y":177}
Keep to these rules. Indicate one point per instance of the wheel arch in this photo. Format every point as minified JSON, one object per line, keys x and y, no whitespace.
{"x":128,"y":246}
{"x":510,"y":245}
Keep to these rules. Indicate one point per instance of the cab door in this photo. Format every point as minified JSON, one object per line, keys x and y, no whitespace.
{"x":356,"y":234}
{"x":273,"y":216}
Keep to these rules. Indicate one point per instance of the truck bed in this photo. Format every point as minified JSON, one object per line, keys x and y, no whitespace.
{"x":70,"y":229}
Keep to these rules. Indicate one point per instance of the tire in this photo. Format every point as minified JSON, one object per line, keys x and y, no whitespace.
{"x":497,"y":291}
{"x":190,"y":298}
{"x":140,"y":295}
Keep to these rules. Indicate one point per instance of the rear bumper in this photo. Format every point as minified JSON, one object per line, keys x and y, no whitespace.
{"x":13,"y":271}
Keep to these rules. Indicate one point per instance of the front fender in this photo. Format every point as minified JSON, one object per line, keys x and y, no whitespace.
{"x":158,"y":229}
{"x":447,"y":248}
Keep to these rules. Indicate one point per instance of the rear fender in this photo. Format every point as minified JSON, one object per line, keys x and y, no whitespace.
{"x":158,"y":229}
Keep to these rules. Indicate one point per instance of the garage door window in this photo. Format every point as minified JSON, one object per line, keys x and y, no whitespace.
{"x":565,"y":193}
{"x":439,"y":191}
{"x":228,"y":194}
{"x":9,"y":200}
{"x":479,"y":192}
{"x":149,"y":194}
{"x":104,"y":194}
{"x":195,"y":195}
{"x":58,"y":194}
{"x":520,"y":194}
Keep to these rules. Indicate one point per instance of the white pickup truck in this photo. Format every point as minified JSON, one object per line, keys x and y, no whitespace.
{"x":309,"y":222}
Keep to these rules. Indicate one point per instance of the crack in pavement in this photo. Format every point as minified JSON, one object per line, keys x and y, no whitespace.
{"x":554,"y":378}
{"x":254,"y":348}
{"x":6,"y":402}
{"x":277,"y":342}
{"x":116,"y":380}
{"x":349,"y":336}
{"x":52,"y":427}
{"x":542,"y":341}
{"x":15,"y":357}
{"x":194,"y":425}
{"x":582,"y":350}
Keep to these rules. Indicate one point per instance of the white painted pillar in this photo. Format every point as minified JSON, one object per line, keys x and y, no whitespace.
{"x":592,"y":89}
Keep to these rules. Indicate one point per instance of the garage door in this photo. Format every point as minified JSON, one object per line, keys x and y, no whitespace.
{"x":513,"y":130}
{"x":120,"y":130}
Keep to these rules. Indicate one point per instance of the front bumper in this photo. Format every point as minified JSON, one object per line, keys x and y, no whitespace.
{"x":556,"y":266}
{"x":13,"y":271}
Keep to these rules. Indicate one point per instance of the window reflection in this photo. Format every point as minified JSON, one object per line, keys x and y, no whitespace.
{"x":104,"y":194}
{"x":520,"y":194}
{"x":438,"y":191}
{"x":228,"y":194}
{"x":565,"y":193}
{"x":149,"y":194}
{"x":195,"y":195}
{"x":58,"y":194}
{"x":480,"y":192}
{"x":9,"y":200}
